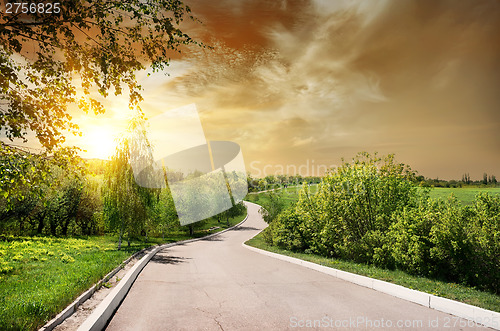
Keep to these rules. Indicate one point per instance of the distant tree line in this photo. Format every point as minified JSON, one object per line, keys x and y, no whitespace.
{"x":278,"y":181}
{"x":487,"y":180}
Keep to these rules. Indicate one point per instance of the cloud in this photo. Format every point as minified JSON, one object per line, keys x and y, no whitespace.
{"x":393,"y":76}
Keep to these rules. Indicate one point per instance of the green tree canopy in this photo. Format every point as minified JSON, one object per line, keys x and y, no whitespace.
{"x":89,"y":46}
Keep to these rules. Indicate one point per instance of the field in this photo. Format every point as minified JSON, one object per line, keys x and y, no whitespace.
{"x":289,"y":195}
{"x":40,"y":276}
{"x":465,"y":195}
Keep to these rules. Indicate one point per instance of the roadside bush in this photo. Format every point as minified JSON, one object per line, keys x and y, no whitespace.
{"x":484,"y":233}
{"x":287,"y":231}
{"x":452,"y":252}
{"x":371,"y":211}
{"x":271,"y":209}
{"x":408,"y":238}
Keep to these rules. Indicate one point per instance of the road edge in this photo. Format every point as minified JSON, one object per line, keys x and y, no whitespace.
{"x":475,"y":314}
{"x":106,"y":309}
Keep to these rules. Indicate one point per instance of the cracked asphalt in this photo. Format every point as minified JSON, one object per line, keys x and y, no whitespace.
{"x":217,"y":284}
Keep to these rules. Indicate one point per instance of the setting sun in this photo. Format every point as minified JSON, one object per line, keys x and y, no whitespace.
{"x":99,"y":142}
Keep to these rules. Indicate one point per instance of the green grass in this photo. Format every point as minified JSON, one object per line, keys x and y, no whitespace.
{"x":40,"y":276}
{"x":465,"y":195}
{"x":443,"y":289}
{"x":289,"y":195}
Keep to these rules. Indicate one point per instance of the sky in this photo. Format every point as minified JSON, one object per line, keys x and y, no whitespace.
{"x":301,"y":84}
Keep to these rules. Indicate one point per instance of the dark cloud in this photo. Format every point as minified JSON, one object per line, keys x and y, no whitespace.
{"x":325,"y":79}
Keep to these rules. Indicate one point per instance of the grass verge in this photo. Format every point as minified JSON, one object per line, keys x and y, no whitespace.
{"x":40,"y":276}
{"x":443,"y":289}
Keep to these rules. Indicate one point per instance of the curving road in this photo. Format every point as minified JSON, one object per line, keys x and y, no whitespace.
{"x":217,"y":284}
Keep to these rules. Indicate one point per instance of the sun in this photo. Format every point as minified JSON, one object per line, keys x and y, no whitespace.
{"x":99,"y":143}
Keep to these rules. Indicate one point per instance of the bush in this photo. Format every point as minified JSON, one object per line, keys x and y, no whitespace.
{"x":371,"y":211}
{"x":271,"y":208}
{"x":287,"y":231}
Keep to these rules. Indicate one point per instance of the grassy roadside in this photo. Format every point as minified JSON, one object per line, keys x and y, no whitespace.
{"x":448,"y":290}
{"x":40,"y":276}
{"x":443,"y":289}
{"x":288,"y":195}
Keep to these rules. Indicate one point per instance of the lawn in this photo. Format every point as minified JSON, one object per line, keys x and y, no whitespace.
{"x":465,"y":195}
{"x":40,"y":276}
{"x":289,"y":195}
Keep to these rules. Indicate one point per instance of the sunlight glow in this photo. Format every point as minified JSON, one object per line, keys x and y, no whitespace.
{"x":99,"y":142}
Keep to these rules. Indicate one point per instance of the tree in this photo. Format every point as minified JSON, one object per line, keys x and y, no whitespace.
{"x":83,"y":49}
{"x":485,"y":178}
{"x":272,"y":207}
{"x":91,"y":45}
{"x":127,"y":205}
{"x":466,"y":178}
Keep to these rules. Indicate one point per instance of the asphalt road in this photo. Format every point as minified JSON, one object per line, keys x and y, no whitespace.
{"x":218,"y":284}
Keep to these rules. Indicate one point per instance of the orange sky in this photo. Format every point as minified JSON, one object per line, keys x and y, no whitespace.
{"x":297,"y":82}
{"x":309,"y":82}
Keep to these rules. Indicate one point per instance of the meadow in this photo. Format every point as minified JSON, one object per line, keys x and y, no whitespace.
{"x":40,"y":276}
{"x":465,"y":194}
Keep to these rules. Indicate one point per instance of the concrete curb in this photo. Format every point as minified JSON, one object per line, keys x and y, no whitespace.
{"x":72,"y":307}
{"x":472,"y":313}
{"x":105,"y":310}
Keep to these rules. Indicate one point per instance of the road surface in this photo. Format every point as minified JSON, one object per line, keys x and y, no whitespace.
{"x":218,"y":284}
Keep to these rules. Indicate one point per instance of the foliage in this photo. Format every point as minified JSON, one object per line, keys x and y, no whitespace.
{"x":46,"y":197}
{"x":272,"y":207}
{"x":127,"y":205}
{"x":73,"y":57}
{"x":87,"y":45}
{"x":235,"y":211}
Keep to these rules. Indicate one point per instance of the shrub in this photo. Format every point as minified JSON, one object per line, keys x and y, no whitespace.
{"x":371,"y":211}
{"x":287,"y":231}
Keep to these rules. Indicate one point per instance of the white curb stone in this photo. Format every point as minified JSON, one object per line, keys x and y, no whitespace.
{"x":105,"y":310}
{"x":472,"y":313}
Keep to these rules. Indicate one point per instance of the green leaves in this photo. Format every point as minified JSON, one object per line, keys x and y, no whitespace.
{"x":92,"y":46}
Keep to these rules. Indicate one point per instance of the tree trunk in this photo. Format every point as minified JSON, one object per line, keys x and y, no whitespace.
{"x":191,"y":230}
{"x":40,"y":219}
{"x":120,"y":239}
{"x":65,"y":225}
{"x":21,"y":226}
